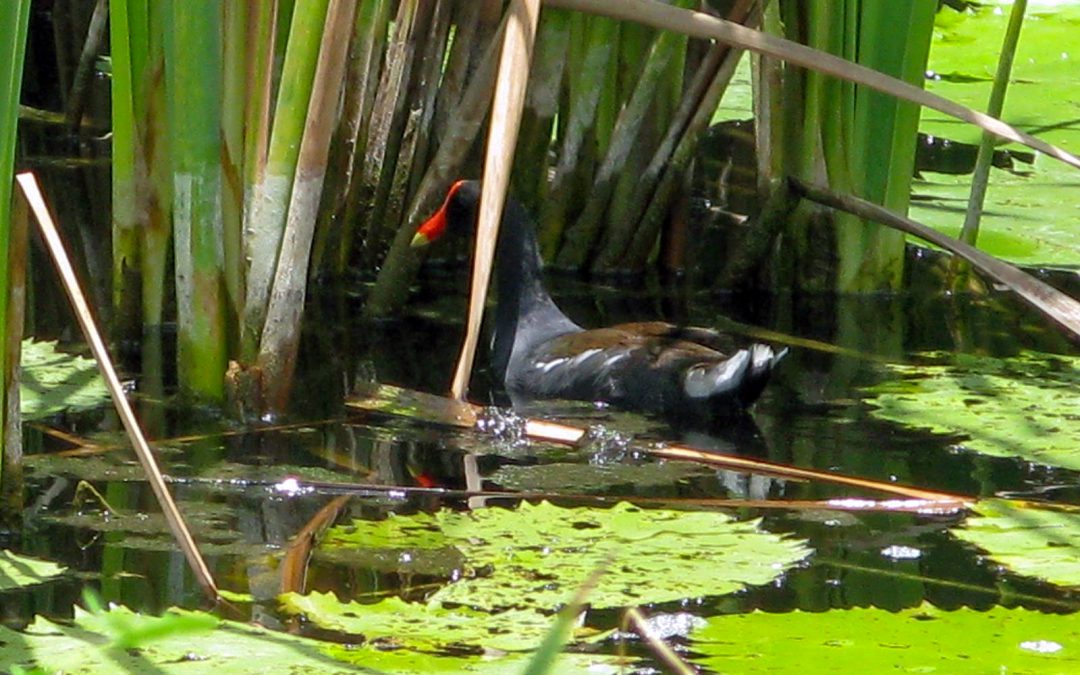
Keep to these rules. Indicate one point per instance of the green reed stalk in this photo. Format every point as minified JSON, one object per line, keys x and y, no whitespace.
{"x":581,"y":237}
{"x":235,"y":18}
{"x":260,"y":39}
{"x":469,"y":28}
{"x":981,"y":177}
{"x":334,"y":234}
{"x":152,"y":107}
{"x":11,"y":331}
{"x":265,"y":220}
{"x":126,"y":293}
{"x":593,"y":46}
{"x":280,"y":340}
{"x":824,"y":144}
{"x":259,"y":61}
{"x":857,"y":139}
{"x":14,"y":18}
{"x":385,"y":128}
{"x":960,"y":271}
{"x":412,"y":153}
{"x":882,"y":155}
{"x":529,"y":178}
{"x":675,"y":168}
{"x":193,"y":62}
{"x":401,"y":263}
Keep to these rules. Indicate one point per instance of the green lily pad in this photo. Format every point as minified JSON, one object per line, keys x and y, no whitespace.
{"x":541,"y":553}
{"x":1031,"y":217}
{"x":1027,"y":219}
{"x":393,"y":623}
{"x":1037,"y":542}
{"x":535,"y":556}
{"x":200,"y":644}
{"x":589,"y":478}
{"x":918,"y":640}
{"x":501,"y":642}
{"x":964,"y":56}
{"x":17,"y":571}
{"x":402,"y":544}
{"x":1026,"y":406}
{"x":53,"y":381}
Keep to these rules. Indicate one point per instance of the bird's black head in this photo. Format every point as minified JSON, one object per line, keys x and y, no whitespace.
{"x":455,"y":216}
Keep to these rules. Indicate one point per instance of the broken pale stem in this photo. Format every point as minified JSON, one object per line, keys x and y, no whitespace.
{"x":30,"y":188}
{"x":502,"y":137}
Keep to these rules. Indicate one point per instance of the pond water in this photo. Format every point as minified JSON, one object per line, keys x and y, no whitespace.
{"x":228,"y":478}
{"x":836,"y":405}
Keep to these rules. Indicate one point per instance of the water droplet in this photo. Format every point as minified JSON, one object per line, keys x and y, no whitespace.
{"x":1042,"y":646}
{"x":506,"y":427}
{"x":897,"y":552}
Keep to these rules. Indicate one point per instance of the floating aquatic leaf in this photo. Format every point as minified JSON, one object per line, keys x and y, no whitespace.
{"x":533,"y":557}
{"x":394,"y":623}
{"x":212,"y":523}
{"x":1026,"y":406}
{"x":569,"y":478}
{"x":917,"y":640}
{"x":1028,"y":219}
{"x":53,"y":381}
{"x":17,"y":571}
{"x":501,"y":641}
{"x":538,"y":554}
{"x":403,"y":544}
{"x":1037,"y":542}
{"x":88,"y":646}
{"x":416,"y":531}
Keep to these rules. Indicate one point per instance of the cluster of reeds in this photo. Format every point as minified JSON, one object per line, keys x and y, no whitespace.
{"x":229,"y":116}
{"x":855,"y":140}
{"x":218,"y":159}
{"x":257,"y":145}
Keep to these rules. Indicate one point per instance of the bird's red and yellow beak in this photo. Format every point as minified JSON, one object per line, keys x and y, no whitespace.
{"x":435,"y":226}
{"x":431,"y":230}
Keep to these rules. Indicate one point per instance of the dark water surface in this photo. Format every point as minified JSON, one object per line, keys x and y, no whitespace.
{"x":227,"y":476}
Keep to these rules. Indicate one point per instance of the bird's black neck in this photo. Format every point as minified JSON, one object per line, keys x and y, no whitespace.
{"x":526,"y":314}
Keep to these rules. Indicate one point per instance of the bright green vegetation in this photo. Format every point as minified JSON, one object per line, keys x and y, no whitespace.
{"x":1034,"y":541}
{"x":203,"y":174}
{"x":1025,"y":406}
{"x":186,"y":642}
{"x":654,"y":555}
{"x":855,"y":140}
{"x":517,"y":566}
{"x":193,"y":51}
{"x":918,"y":640}
{"x":53,"y":381}
{"x":423,"y":627}
{"x":18,"y":571}
{"x":1030,"y":215}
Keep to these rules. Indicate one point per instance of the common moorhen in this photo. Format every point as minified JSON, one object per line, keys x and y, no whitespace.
{"x":539,"y":353}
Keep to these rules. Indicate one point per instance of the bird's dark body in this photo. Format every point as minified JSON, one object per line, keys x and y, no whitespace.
{"x":638,"y":366}
{"x":539,"y":353}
